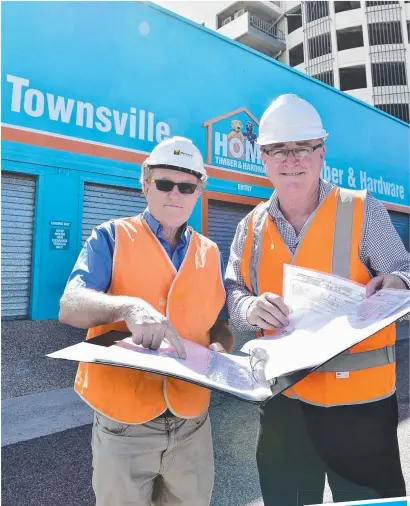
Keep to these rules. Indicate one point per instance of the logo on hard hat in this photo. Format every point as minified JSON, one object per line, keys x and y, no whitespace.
{"x":232,"y":142}
{"x":179,"y":152}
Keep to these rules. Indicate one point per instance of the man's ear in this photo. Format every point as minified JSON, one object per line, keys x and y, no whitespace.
{"x":264,"y":157}
{"x":323,"y":152}
{"x":145,"y":187}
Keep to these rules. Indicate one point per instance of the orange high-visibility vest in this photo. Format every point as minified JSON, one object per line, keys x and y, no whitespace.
{"x":191,"y":299}
{"x":330,"y":244}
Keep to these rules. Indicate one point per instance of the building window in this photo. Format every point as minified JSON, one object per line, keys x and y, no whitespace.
{"x":316,"y":10}
{"x":346,"y":6}
{"x":408,"y":32}
{"x":349,"y":38}
{"x":296,"y":55}
{"x":352,"y":78}
{"x":389,"y":74}
{"x":319,"y":46}
{"x":400,"y":111}
{"x":325,"y":77}
{"x":224,"y":19}
{"x":294,"y":20}
{"x":375,"y":4}
{"x":385,"y":33}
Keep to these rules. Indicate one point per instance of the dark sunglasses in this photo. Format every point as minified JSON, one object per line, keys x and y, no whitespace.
{"x":165,"y":185}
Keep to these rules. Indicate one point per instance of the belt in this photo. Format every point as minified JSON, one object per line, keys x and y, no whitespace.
{"x":167,"y":414}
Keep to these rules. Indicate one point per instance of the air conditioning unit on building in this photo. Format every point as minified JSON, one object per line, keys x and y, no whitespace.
{"x":239,"y":13}
{"x":226,"y":21}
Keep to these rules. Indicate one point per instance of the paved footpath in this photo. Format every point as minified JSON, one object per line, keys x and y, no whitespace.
{"x":46,"y":429}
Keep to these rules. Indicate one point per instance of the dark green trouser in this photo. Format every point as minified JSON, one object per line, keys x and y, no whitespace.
{"x":356,"y":446}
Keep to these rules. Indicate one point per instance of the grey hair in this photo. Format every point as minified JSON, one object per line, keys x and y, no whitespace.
{"x":146,"y":173}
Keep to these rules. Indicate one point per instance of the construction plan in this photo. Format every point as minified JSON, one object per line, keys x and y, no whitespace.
{"x":328,"y":316}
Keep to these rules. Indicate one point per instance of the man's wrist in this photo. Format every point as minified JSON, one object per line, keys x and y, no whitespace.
{"x":125,"y":306}
{"x":245,"y":309}
{"x":245,"y":305}
{"x":404,"y":278}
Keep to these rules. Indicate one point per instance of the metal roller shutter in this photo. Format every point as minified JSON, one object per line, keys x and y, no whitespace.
{"x":223,"y":218}
{"x":401,"y":224}
{"x":103,"y":203}
{"x":18,"y":196}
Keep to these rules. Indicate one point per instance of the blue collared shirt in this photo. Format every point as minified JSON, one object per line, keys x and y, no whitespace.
{"x":93,"y":268}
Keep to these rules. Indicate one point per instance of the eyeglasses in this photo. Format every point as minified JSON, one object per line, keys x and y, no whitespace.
{"x":300,"y":152}
{"x":166,"y":185}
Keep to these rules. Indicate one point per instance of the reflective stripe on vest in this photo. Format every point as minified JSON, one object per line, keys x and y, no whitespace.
{"x":342,"y":245}
{"x":261,"y":216}
{"x":343,"y":234}
{"x":357,"y":361}
{"x":371,"y":362}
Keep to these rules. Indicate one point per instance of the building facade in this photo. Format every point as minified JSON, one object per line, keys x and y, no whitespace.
{"x":76,"y":127}
{"x":361,"y":48}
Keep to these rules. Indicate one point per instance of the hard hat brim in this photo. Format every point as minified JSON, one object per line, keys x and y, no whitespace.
{"x":179,"y":169}
{"x":264,"y":140}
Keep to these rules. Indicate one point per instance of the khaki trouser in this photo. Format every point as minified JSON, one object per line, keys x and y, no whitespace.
{"x":167,"y":461}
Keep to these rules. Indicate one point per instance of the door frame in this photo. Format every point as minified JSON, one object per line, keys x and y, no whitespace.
{"x":223,"y":197}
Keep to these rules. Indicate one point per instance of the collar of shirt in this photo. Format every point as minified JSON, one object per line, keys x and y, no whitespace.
{"x":156,"y":227}
{"x":274,"y":206}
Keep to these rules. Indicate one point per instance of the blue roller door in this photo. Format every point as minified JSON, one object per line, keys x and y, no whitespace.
{"x":18,"y":195}
{"x":103,"y":203}
{"x":401,"y":223}
{"x":223,"y":218}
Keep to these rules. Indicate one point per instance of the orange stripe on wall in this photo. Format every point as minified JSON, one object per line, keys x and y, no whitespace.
{"x":84,"y":148}
{"x":396,"y":207}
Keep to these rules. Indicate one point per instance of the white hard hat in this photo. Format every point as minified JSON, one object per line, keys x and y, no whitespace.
{"x":178,"y":153}
{"x":290,"y":118}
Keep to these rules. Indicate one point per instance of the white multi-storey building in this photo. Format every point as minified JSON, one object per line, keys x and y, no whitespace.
{"x":361,"y":47}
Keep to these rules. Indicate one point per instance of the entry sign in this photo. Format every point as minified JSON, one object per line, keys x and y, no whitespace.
{"x":60,"y":235}
{"x":402,"y":501}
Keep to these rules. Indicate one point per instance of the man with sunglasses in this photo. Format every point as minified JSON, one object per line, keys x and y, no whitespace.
{"x":341,"y":420}
{"x":153,"y":275}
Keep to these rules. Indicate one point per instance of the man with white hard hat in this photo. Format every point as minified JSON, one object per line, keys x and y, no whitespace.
{"x":153,"y":275}
{"x":341,"y":420}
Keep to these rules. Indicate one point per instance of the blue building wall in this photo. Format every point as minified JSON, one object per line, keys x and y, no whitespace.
{"x":146,"y":73}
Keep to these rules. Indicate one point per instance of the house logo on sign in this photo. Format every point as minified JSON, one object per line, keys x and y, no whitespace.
{"x":231,"y":142}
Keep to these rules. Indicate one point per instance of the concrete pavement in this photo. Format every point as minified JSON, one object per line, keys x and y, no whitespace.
{"x":46,"y":458}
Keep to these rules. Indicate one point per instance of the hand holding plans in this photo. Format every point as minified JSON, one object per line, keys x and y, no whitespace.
{"x":328,"y":316}
{"x":220,"y":371}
